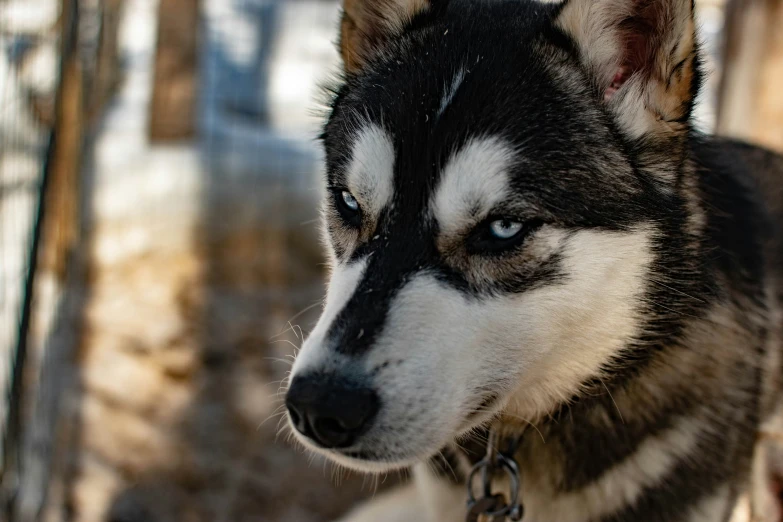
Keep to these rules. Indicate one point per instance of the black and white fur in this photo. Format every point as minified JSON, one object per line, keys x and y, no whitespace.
{"x":629,"y":332}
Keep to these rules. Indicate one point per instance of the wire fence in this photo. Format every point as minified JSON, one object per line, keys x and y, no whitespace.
{"x":28,"y":82}
{"x":57,"y":62}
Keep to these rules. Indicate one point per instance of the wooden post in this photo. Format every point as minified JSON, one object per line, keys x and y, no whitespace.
{"x":173,"y":107}
{"x":750,"y":106}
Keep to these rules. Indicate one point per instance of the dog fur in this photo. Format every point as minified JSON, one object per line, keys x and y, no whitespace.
{"x":630,"y":333}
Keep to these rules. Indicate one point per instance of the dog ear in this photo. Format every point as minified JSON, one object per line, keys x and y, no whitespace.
{"x":367,"y":25}
{"x":642,"y":57}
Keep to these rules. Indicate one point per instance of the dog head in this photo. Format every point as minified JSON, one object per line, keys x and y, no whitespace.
{"x":500,"y":175}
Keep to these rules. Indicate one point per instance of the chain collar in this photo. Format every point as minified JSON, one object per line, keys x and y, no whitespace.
{"x":499,"y":460}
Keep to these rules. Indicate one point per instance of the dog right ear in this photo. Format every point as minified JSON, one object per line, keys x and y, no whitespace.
{"x":643,"y":56}
{"x":368,"y":25}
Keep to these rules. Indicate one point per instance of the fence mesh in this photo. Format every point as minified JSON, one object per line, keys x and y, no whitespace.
{"x":29,"y":63}
{"x":56,"y":71}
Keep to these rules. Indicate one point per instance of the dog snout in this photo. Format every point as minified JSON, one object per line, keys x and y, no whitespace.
{"x":331,"y":411}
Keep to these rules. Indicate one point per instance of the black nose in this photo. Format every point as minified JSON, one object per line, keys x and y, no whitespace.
{"x":331,"y":411}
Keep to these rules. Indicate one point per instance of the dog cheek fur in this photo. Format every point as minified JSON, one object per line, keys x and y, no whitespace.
{"x":437,"y":355}
{"x":440,"y":349}
{"x":577,"y":325}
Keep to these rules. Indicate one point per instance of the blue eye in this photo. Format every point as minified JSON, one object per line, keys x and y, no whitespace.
{"x":349,"y":200}
{"x":505,"y":228}
{"x":497,"y":235}
{"x":348,"y":207}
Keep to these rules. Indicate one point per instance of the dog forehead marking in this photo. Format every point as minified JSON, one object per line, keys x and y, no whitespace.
{"x":474,"y":180}
{"x":448,"y":96}
{"x":370,"y":174}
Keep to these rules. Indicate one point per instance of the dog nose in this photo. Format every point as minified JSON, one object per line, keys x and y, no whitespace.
{"x":331,"y":411}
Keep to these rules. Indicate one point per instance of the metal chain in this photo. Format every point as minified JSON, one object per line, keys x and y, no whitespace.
{"x":494,"y":506}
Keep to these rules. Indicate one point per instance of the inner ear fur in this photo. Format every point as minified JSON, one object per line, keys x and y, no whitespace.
{"x":642,"y":57}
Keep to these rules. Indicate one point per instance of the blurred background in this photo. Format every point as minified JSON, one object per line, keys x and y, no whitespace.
{"x":159,"y":251}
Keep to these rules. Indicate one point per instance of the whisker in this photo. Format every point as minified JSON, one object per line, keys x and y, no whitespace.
{"x":301,"y":333}
{"x":299,"y":314}
{"x":678,"y":291}
{"x":613,"y":401}
{"x":449,"y":466}
{"x":281,"y":429}
{"x":286,"y":341}
{"x":272,"y":416}
{"x":293,"y":329}
{"x":277,"y":359}
{"x":279,"y":381}
{"x":514,"y":416}
{"x":282,"y":333}
{"x":279,"y":394}
{"x":307,"y":309}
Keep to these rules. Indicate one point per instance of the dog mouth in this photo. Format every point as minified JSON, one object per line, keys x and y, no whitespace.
{"x":371,"y":457}
{"x":360,"y":455}
{"x":487,"y":407}
{"x":386,"y":449}
{"x":373,"y":462}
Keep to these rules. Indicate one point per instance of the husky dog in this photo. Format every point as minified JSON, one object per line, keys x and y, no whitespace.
{"x":528,"y":235}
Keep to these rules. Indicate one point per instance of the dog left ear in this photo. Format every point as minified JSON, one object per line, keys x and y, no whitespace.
{"x":642,"y":58}
{"x":368,"y":25}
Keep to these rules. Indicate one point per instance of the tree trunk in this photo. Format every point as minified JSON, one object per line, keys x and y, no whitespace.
{"x":173,"y":108}
{"x":751,"y":97}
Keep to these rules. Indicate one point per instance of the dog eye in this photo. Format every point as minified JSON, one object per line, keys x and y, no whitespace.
{"x":499,"y":234}
{"x":505,"y":228}
{"x":349,"y":201}
{"x":348,"y":207}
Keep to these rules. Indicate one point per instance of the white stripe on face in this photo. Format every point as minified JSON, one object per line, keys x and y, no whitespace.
{"x":474,"y":180}
{"x":448,"y":97}
{"x":343,"y":283}
{"x":370,"y":174}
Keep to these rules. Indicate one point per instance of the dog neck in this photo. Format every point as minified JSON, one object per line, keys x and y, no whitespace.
{"x":670,"y":431}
